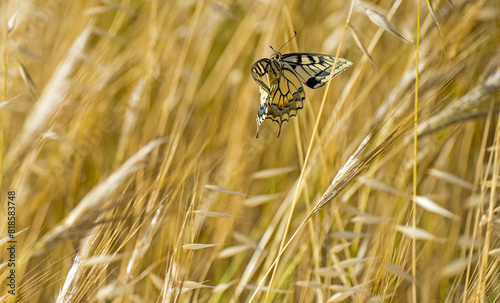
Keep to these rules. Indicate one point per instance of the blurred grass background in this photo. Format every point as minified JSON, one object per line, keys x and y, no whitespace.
{"x":129,"y":138}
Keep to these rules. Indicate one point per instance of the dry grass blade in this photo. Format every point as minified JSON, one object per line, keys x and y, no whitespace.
{"x":131,"y":116}
{"x":310,"y":284}
{"x":197,"y":246}
{"x":327,"y":272}
{"x":495,"y":252}
{"x":5,"y":103}
{"x":352,"y":262}
{"x":212,"y":214}
{"x":244,"y":239}
{"x":397,"y":271}
{"x":339,"y":297}
{"x":156,"y":280}
{"x":382,"y":21}
{"x":346,"y":235}
{"x":232,"y":251}
{"x":224,"y":190}
{"x":110,"y":291}
{"x":419,"y":234}
{"x":343,"y":288}
{"x":340,"y":247}
{"x":433,"y":13}
{"x":464,"y":241}
{"x":265,"y":288}
{"x":475,"y":200}
{"x":6,"y":239}
{"x":433,"y":207}
{"x":453,"y":179}
{"x":12,"y":21}
{"x":456,"y":267}
{"x":361,"y":45}
{"x":27,"y":79}
{"x":261,"y":199}
{"x":380,"y":186}
{"x":377,"y":299}
{"x":273,"y":172}
{"x":368,"y":219}
{"x":194,"y":285}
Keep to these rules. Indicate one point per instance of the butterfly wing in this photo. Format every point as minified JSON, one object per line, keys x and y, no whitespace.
{"x":287,"y":97}
{"x":260,"y":73}
{"x":314,"y":69}
{"x":280,"y":95}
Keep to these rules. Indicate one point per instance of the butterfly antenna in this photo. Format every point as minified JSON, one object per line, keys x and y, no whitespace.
{"x":294,"y":34}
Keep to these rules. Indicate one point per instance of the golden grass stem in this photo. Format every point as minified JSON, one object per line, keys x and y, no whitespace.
{"x":415,"y":151}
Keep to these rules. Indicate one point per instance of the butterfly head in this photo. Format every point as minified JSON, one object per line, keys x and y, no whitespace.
{"x":276,"y":57}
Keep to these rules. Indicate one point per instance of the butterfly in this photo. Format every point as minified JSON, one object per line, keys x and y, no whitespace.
{"x":280,"y":80}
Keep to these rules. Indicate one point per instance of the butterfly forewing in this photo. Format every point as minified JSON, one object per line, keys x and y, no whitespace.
{"x":260,"y":73}
{"x":314,"y":69}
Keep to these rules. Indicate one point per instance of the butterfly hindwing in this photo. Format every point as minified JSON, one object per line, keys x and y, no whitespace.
{"x":286,"y":98}
{"x":280,"y":95}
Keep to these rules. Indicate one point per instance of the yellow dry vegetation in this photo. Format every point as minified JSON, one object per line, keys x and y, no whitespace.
{"x":128,"y":135}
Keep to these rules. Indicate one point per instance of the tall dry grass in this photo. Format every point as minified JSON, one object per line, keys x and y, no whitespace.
{"x":128,"y":134}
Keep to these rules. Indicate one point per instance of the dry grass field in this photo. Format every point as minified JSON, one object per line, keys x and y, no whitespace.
{"x":128,"y":137}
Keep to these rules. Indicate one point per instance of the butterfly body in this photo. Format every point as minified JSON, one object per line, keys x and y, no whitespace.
{"x":281,"y":79}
